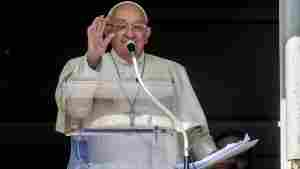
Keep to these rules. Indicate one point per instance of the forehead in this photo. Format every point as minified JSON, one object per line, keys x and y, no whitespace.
{"x":129,"y":13}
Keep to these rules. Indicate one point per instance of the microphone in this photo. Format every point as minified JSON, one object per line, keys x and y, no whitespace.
{"x":131,"y":47}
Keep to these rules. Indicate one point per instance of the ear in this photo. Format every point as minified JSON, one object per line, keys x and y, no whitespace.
{"x":147,"y":34}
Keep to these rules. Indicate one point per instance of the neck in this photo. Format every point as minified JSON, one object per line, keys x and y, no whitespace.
{"x":127,"y":58}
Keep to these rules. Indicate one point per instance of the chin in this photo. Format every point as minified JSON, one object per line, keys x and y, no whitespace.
{"x":123,"y":52}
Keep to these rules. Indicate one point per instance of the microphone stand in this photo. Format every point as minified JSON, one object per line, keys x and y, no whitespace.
{"x":178,"y":125}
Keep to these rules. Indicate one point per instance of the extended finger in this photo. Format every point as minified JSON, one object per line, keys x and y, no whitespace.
{"x":97,"y":21}
{"x":91,"y":32}
{"x":92,"y":29}
{"x":101,"y":26}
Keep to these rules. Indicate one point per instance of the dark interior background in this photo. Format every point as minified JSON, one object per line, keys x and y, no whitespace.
{"x":230,"y":52}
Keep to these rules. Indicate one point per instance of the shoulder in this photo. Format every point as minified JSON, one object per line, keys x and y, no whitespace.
{"x":158,"y":60}
{"x":75,"y":60}
{"x":72,"y":62}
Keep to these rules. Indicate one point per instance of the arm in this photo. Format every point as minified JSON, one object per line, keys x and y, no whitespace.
{"x":74,"y":69}
{"x":83,"y":68}
{"x":191,"y":113}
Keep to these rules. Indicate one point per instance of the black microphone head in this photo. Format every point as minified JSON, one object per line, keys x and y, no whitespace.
{"x":131,"y":46}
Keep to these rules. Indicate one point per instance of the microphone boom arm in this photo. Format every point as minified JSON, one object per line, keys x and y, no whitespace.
{"x":178,"y":125}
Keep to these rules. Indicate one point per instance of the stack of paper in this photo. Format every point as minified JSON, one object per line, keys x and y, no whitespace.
{"x":225,"y":153}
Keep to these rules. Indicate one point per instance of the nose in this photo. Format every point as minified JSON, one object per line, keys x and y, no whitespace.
{"x":129,"y":33}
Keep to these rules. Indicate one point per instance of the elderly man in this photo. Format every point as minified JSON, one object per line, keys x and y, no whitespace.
{"x":122,"y":103}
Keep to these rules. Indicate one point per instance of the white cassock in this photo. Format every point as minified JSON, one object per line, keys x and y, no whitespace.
{"x":119,"y":103}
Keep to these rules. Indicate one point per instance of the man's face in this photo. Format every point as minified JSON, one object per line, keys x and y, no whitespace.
{"x":128,"y":23}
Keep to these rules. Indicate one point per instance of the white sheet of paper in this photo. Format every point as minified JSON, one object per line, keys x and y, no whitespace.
{"x":225,"y":153}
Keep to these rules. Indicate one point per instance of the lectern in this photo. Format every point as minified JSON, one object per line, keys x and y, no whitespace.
{"x":106,"y":132}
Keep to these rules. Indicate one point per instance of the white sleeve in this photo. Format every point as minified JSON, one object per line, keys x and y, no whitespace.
{"x":191,"y":113}
{"x":187,"y":105}
{"x":74,"y":69}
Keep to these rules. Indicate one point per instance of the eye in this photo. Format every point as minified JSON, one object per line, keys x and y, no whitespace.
{"x":139,"y":27}
{"x":120,"y":27}
{"x":109,"y":25}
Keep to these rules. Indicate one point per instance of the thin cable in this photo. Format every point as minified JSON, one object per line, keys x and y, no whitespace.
{"x":177,"y":124}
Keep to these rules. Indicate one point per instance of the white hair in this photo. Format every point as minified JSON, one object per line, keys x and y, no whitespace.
{"x":131,"y":3}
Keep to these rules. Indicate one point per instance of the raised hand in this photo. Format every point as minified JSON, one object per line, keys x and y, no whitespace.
{"x":97,"y":41}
